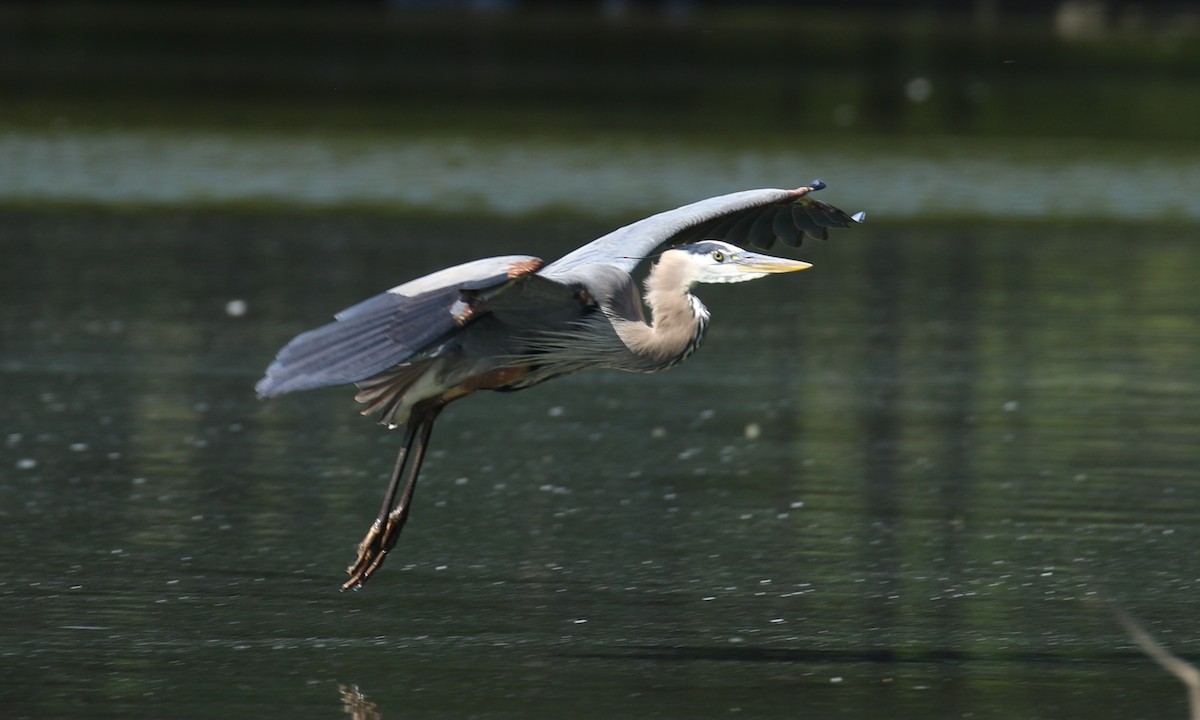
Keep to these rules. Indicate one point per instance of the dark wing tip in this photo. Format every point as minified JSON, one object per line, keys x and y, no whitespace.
{"x":819,"y":184}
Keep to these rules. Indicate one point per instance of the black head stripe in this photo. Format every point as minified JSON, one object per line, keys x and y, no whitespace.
{"x":704,"y":247}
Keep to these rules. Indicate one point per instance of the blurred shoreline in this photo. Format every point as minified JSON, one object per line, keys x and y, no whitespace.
{"x":603,"y":108}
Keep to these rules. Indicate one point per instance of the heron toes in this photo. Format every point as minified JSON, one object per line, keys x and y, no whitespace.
{"x":371,"y":552}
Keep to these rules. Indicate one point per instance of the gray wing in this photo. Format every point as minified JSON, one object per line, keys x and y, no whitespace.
{"x":390,"y":328}
{"x":750,"y":217}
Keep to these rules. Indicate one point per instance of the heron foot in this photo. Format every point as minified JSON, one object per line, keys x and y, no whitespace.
{"x":370,"y":557}
{"x":373,"y":550}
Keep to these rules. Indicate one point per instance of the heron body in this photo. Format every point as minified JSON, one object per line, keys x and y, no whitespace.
{"x":512,"y":322}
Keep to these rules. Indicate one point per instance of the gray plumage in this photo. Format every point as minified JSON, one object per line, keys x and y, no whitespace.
{"x":511,"y":322}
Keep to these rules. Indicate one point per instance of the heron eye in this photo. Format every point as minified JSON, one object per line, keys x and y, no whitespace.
{"x":718,"y":256}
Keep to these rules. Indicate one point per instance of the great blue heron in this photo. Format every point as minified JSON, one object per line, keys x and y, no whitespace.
{"x":508,"y":323}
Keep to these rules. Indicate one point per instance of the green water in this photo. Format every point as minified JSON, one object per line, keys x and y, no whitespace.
{"x":900,"y":481}
{"x":906,"y":483}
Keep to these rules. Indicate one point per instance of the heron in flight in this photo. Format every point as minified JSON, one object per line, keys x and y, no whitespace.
{"x":508,"y":323}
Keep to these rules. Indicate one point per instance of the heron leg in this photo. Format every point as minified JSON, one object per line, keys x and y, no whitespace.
{"x":385,"y":530}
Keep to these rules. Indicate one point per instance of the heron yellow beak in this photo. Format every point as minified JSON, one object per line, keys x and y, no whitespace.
{"x":770,"y":264}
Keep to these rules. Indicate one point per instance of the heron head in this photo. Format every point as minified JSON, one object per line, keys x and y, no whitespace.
{"x":714,"y":261}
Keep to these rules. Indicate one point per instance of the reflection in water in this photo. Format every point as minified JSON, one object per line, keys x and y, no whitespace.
{"x":1177,"y":666}
{"x":964,"y":434}
{"x":356,"y":704}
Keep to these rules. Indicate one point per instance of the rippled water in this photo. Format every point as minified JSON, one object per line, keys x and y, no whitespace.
{"x":901,"y":484}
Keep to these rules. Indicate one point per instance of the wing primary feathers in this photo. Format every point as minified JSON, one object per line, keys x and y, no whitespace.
{"x":392,"y":327}
{"x":761,"y":233}
{"x":827,"y":215}
{"x":807,"y":224}
{"x":378,"y":334}
{"x":785,"y":229}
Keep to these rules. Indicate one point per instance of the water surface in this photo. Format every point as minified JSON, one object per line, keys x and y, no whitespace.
{"x":900,"y":484}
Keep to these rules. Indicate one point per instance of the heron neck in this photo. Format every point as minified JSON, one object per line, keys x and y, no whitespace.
{"x":677,"y":317}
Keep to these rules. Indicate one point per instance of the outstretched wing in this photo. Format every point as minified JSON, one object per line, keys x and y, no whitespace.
{"x":390,"y":328}
{"x":750,"y":217}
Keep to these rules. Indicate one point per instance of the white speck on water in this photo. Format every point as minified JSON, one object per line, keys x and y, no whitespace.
{"x":235,"y":308}
{"x":556,"y":411}
{"x":26,"y":464}
{"x":659,"y":431}
{"x":796,"y":505}
{"x":13,"y":439}
{"x":709,"y":598}
{"x":737,"y":639}
{"x":752,"y":431}
{"x":462,"y":481}
{"x":78,"y":447}
{"x":442,"y":567}
{"x":707,"y":414}
{"x":1011,"y":406}
{"x":138,"y":481}
{"x":778,"y":620}
{"x":919,"y":89}
{"x":580,"y":621}
{"x":689,"y":453}
{"x":835,"y":679}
